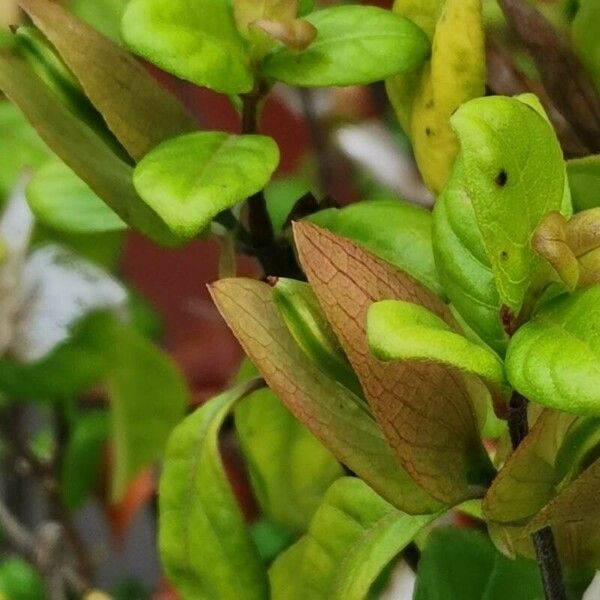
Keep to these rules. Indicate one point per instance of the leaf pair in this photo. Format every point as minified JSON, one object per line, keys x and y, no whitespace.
{"x":205,"y":47}
{"x":417,"y":405}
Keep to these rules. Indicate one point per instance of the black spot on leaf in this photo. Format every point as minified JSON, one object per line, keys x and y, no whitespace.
{"x":501,"y":178}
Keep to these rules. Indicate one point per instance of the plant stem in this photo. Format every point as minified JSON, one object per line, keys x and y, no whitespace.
{"x":543,"y":540}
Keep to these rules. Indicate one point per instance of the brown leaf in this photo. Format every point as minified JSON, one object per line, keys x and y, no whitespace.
{"x":577,"y":502}
{"x":563,"y":76}
{"x":528,"y":479}
{"x":295,"y":34}
{"x":80,"y":148}
{"x":333,"y":414}
{"x":423,"y":408}
{"x":137,"y":109}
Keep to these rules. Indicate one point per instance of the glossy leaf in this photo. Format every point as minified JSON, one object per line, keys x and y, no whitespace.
{"x":403,"y":331}
{"x":352,"y":537}
{"x":80,"y":148}
{"x":331,"y":412}
{"x":62,"y":201}
{"x":584,"y":181}
{"x":528,"y":479}
{"x":82,"y":460}
{"x":201,"y":45}
{"x":554,"y":359}
{"x":425,"y":99}
{"x":462,"y":262}
{"x":311,"y":331}
{"x":205,"y":547}
{"x":289,"y":469}
{"x":20,"y":147}
{"x":522,"y":160}
{"x":136,"y":108}
{"x":148,"y":397}
{"x":190,"y":179}
{"x":396,"y":231}
{"x":354,"y":45}
{"x":464,"y":564}
{"x":423,"y":408}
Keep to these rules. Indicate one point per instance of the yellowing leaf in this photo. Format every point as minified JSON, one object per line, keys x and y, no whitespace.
{"x":333,"y":414}
{"x":455,"y":74}
{"x":423,"y":408}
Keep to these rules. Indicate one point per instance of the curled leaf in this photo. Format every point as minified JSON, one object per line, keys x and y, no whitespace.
{"x":550,"y":242}
{"x":583,"y":233}
{"x":295,"y":34}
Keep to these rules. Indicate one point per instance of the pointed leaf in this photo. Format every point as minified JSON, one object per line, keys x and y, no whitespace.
{"x":387,"y":44}
{"x":331,"y":412}
{"x":352,"y":538}
{"x":527,"y":480}
{"x":522,"y":160}
{"x":198,"y":43}
{"x":396,"y":231}
{"x":190,"y":179}
{"x":205,"y":546}
{"x":554,"y":359}
{"x":62,"y":201}
{"x":423,"y":408}
{"x":135,"y":107}
{"x":404,"y":331}
{"x":148,"y":397}
{"x":289,"y":469}
{"x":81,"y":149}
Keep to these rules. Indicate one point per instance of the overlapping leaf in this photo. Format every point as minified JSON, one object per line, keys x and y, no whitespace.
{"x":354,"y":45}
{"x":425,"y":101}
{"x":332,"y":413}
{"x":80,"y":148}
{"x":423,"y":408}
{"x":135,"y":107}
{"x":554,"y":359}
{"x":352,"y":537}
{"x":584,"y":181}
{"x":205,"y":547}
{"x":396,"y":231}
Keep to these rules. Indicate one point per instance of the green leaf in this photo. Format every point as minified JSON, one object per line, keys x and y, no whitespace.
{"x":199,"y":44}
{"x":290,"y":470}
{"x":332,"y":413}
{"x":137,"y":109}
{"x":306,"y":322}
{"x":584,"y":181}
{"x":205,"y":546}
{"x":354,"y":45}
{"x":82,"y":460}
{"x":554,"y":359}
{"x":20,"y":581}
{"x":352,"y":537}
{"x":528,"y":479}
{"x":462,"y":263}
{"x":62,"y":201}
{"x":509,"y":152}
{"x":20,"y":147}
{"x":404,"y":331}
{"x":586,"y":41}
{"x":190,"y":179}
{"x":80,"y":147}
{"x":423,"y":408}
{"x":464,"y":564}
{"x":148,"y":397}
{"x":396,"y":231}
